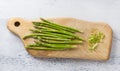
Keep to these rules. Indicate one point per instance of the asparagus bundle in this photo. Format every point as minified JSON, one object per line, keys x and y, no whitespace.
{"x":51,"y":36}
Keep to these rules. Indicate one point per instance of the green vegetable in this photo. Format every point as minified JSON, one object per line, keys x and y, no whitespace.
{"x":51,"y":36}
{"x":57,"y":39}
{"x":41,"y":35}
{"x":94,"y":39}
{"x":59,"y":26}
{"x":63,"y":42}
{"x":55,"y":26}
{"x":44,"y":48}
{"x":58,"y":33}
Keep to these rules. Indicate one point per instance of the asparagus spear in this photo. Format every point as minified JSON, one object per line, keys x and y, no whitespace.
{"x":61,"y":42}
{"x":57,"y":32}
{"x":44,"y":48}
{"x":47,"y":35}
{"x":41,"y":28}
{"x":65,"y":28}
{"x":57,"y":39}
{"x":47,"y":45}
{"x":51,"y":26}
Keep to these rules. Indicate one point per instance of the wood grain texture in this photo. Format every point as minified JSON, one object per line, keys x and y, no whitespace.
{"x":101,"y":53}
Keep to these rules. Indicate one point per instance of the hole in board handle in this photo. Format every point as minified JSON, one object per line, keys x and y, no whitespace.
{"x":17,"y":24}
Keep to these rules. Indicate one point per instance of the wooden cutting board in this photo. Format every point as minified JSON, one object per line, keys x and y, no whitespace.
{"x":21,"y":28}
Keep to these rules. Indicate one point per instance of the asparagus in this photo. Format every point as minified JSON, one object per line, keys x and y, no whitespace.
{"x":56,"y":34}
{"x":41,"y":28}
{"x":64,"y":28}
{"x":51,"y":36}
{"x":51,"y":26}
{"x":46,"y":35}
{"x":44,"y":48}
{"x":64,"y":34}
{"x":61,"y":42}
{"x":41,"y":44}
{"x":57,"y":39}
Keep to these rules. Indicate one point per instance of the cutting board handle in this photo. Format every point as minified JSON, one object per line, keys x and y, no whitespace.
{"x":18,"y":26}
